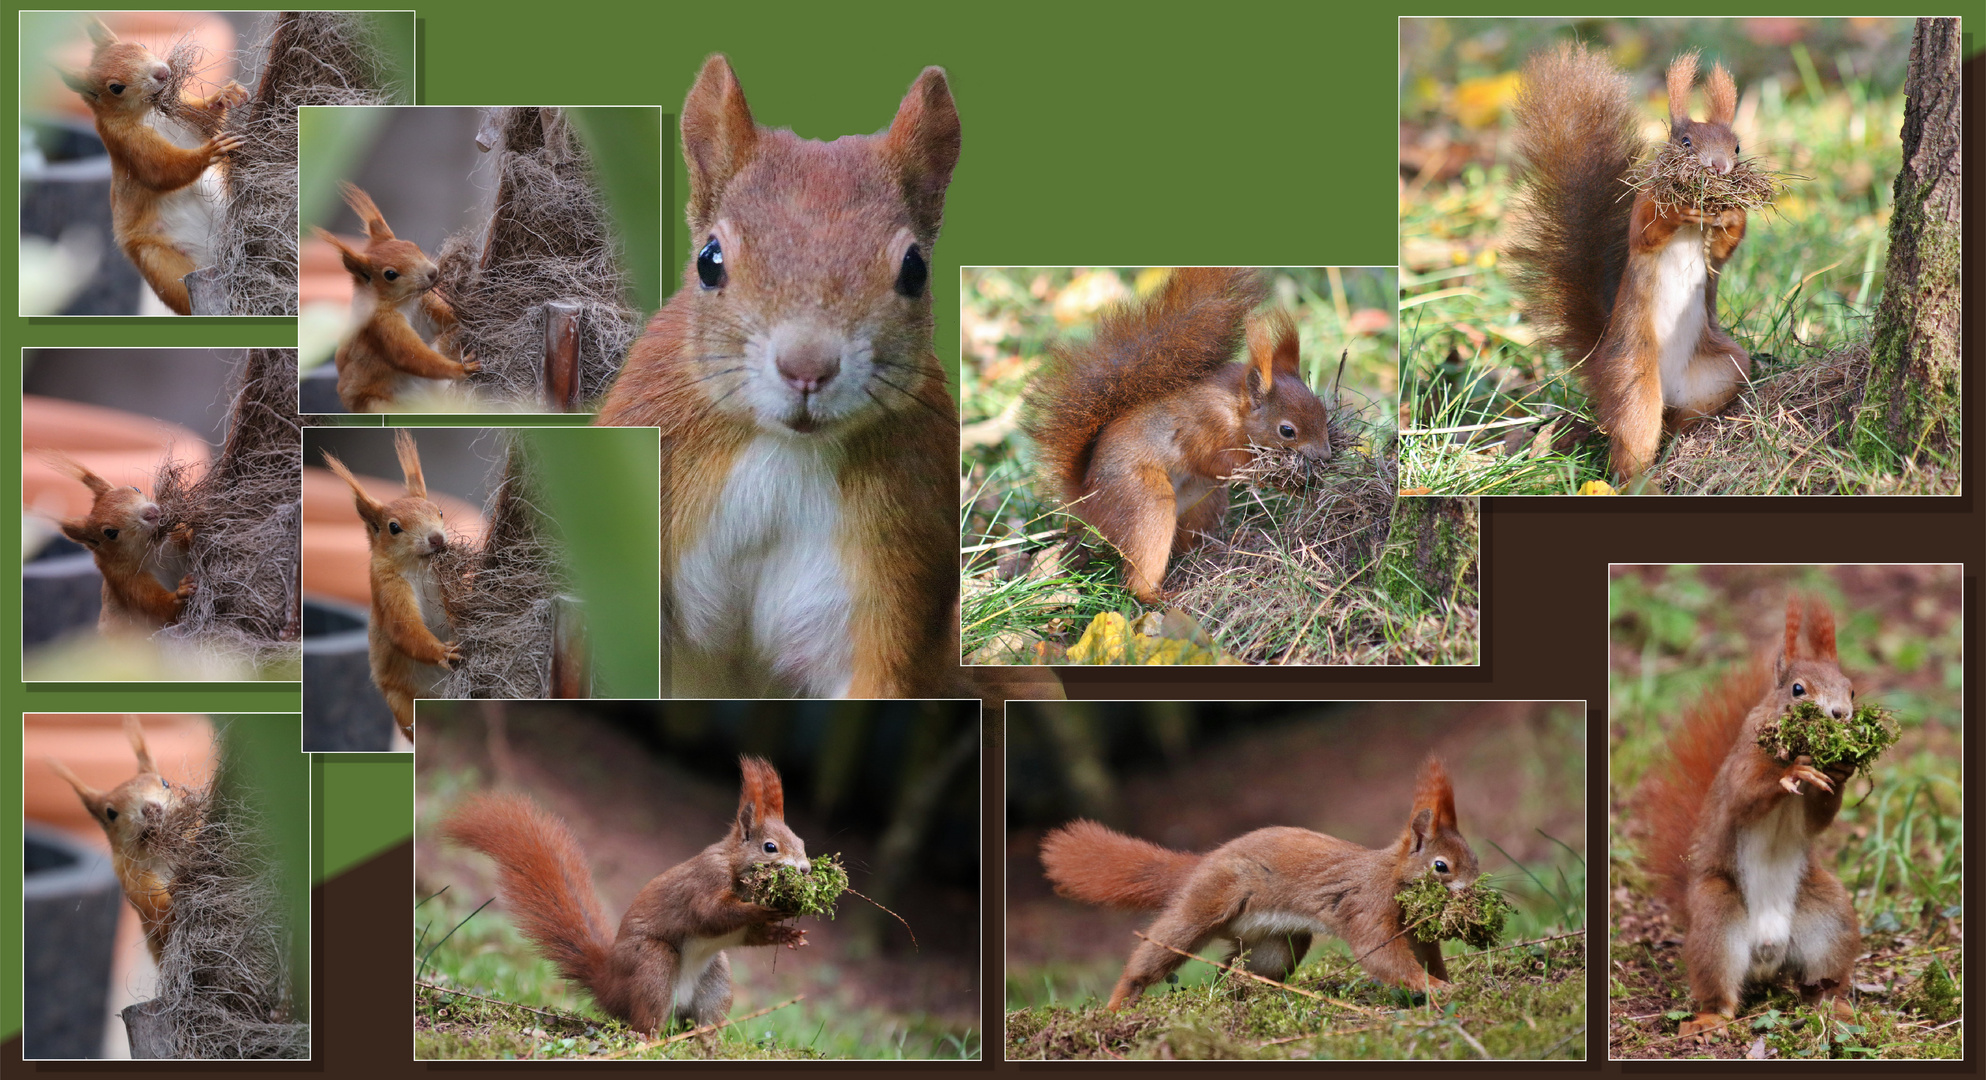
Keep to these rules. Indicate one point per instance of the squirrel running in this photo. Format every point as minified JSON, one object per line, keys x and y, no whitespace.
{"x":1270,"y":891}
{"x":1139,"y":429}
{"x":132,"y":815}
{"x":118,"y":531}
{"x":162,"y":196}
{"x":1625,"y":289}
{"x":408,"y":616}
{"x":668,"y":961}
{"x":1729,"y":834}
{"x":395,"y":313}
{"x":809,"y":544}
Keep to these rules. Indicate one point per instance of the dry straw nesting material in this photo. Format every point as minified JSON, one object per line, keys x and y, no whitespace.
{"x":504,"y":596}
{"x":245,"y":514}
{"x":224,"y":974}
{"x":307,"y":58}
{"x":548,"y":239}
{"x":1675,"y":178}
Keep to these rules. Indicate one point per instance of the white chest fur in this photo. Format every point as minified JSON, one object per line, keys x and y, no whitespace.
{"x":189,"y":216}
{"x":697,"y":956}
{"x":1677,"y":314}
{"x":427,"y":597}
{"x":1255,"y":925}
{"x":762,"y":600}
{"x":1772,"y":860}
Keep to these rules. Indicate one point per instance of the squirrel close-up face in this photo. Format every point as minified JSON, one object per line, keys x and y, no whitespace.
{"x":123,"y":75}
{"x":121,"y":520}
{"x":1442,"y":853}
{"x":409,"y":529}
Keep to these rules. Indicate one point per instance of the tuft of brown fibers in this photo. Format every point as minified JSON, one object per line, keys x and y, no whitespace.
{"x":305,"y":58}
{"x":506,"y":596}
{"x":246,"y":516}
{"x":548,"y":238}
{"x":224,"y":974}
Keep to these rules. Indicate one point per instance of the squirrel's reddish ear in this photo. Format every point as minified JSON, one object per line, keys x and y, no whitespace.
{"x":355,"y":263}
{"x":1820,"y":631}
{"x":93,"y":799}
{"x":1792,"y":649}
{"x":371,"y":510}
{"x":1723,"y":96}
{"x":78,"y":529}
{"x":361,"y":203}
{"x":136,"y":733}
{"x":760,"y":796}
{"x":81,"y":472}
{"x":1436,"y":794}
{"x":923,"y":147}
{"x":77,"y":81}
{"x":1682,"y":76}
{"x":410,"y":462}
{"x":718,"y":137}
{"x":1272,"y":343}
{"x":100,"y":35}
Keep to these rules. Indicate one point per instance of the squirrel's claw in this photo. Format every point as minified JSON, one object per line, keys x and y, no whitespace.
{"x":470,"y":363}
{"x":186,"y":588}
{"x":1803,"y":770}
{"x":451,"y":655}
{"x":225,"y":144}
{"x":233,"y":94}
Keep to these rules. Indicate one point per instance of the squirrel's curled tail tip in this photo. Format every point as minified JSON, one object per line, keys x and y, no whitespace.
{"x":545,"y":882}
{"x":1672,"y":793}
{"x":1098,"y":865}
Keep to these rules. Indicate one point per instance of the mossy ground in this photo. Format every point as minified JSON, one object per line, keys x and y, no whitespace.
{"x":1523,"y":1003}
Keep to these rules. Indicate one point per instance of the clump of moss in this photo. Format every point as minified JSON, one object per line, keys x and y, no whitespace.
{"x":1934,"y":995}
{"x":1806,"y":730}
{"x":1434,"y":912}
{"x":1676,"y":178}
{"x":787,"y":888}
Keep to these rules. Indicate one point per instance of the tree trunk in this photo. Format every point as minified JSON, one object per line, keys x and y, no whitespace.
{"x":1910,"y":404}
{"x":1430,"y":555}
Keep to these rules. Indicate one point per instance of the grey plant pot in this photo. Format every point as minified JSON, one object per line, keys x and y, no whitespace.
{"x":70,"y":905}
{"x":342,"y":710}
{"x":72,"y":192}
{"x":61,"y":593}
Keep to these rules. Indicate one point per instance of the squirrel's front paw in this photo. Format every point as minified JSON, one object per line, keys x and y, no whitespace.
{"x":221,"y":145}
{"x":1803,"y":769}
{"x":451,"y":655}
{"x":1704,"y":1024}
{"x":181,"y":535}
{"x":470,"y":363}
{"x":186,"y":587}
{"x":781,"y":934}
{"x":233,"y":94}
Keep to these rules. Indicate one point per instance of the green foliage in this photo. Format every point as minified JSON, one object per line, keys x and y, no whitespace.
{"x":788,"y":888}
{"x":1434,"y":912}
{"x":1806,"y":730}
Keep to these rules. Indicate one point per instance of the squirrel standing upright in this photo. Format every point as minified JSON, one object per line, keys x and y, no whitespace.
{"x":1730,"y":831}
{"x":132,"y":815}
{"x":408,"y":615}
{"x":383,"y":349}
{"x":1139,"y":429}
{"x":809,"y":542}
{"x":1625,"y":289}
{"x":1270,"y":891}
{"x":118,"y":531}
{"x":667,"y":962}
{"x":161,"y":206}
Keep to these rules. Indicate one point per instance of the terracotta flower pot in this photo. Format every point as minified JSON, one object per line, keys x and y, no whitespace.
{"x":94,"y":747}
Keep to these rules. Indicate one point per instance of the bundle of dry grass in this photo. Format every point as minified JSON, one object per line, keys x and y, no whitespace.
{"x":306,"y":58}
{"x":245,"y":514}
{"x":548,"y":239}
{"x":224,"y":975}
{"x":1675,"y":178}
{"x":504,"y":595}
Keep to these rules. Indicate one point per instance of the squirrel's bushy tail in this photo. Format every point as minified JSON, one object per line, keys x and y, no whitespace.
{"x":1576,"y":139}
{"x":545,"y":882}
{"x":1142,"y":352}
{"x":1098,"y":865}
{"x":1672,"y":793}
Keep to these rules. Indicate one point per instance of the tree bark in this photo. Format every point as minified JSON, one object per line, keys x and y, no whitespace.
{"x":1910,"y":404}
{"x":1431,"y":551}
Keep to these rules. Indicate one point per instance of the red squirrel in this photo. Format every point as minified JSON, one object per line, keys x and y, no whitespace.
{"x":809,"y":537}
{"x":1270,"y":891}
{"x":395,"y":312}
{"x":667,"y":962}
{"x":1623,"y":288}
{"x":1139,"y":429}
{"x":1730,"y":832}
{"x":118,"y":531}
{"x":162,"y":200}
{"x":132,"y":814}
{"x":408,"y":616}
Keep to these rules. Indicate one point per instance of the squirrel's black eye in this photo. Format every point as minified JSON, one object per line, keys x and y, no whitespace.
{"x":391,"y":275}
{"x":1288,"y":430}
{"x":164,"y":783}
{"x":1685,"y":139}
{"x":771,"y":848}
{"x":134,"y":487}
{"x":110,"y":812}
{"x":710,"y":264}
{"x":1799,"y":690}
{"x":911,"y":276}
{"x":110,"y":534}
{"x":1441,"y":866}
{"x":117,"y":88}
{"x":1737,"y":147}
{"x":393,"y":527}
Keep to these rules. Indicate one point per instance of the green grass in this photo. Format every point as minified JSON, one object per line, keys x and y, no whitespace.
{"x":1897,"y":844}
{"x":1493,"y":412}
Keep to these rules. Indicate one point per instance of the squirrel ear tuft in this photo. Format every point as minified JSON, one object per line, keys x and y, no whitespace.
{"x":1682,"y":76}
{"x":78,"y":81}
{"x":100,"y":34}
{"x":371,"y":510}
{"x":760,"y":796}
{"x":361,"y":203}
{"x":78,"y":529}
{"x":136,"y":733}
{"x":92,"y":798}
{"x":1820,"y":630}
{"x":922,"y":145}
{"x":1434,"y":793}
{"x":718,"y":137}
{"x":410,"y":462}
{"x":1723,"y":96}
{"x":355,"y":263}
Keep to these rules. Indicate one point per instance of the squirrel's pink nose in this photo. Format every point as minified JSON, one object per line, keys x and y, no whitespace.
{"x":808,"y":367}
{"x":152,"y":514}
{"x":437,"y":541}
{"x":163,"y":72}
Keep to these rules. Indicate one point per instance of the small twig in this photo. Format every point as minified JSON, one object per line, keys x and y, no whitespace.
{"x":1261,"y":978}
{"x":1471,"y":1040}
{"x":893,"y":915}
{"x":1521,"y":944}
{"x":692,"y":1033}
{"x":564,"y":1017}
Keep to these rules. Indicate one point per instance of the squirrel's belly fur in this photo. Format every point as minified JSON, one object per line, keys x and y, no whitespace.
{"x":1676,"y":310}
{"x":697,"y":954}
{"x":1256,"y":924}
{"x":1771,"y":861}
{"x":188,"y":217}
{"x":764,"y":578}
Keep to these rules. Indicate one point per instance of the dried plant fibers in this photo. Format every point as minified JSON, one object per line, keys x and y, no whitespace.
{"x":224,"y":975}
{"x":246,"y":516}
{"x":548,"y":239}
{"x":505,"y":595}
{"x":306,"y":58}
